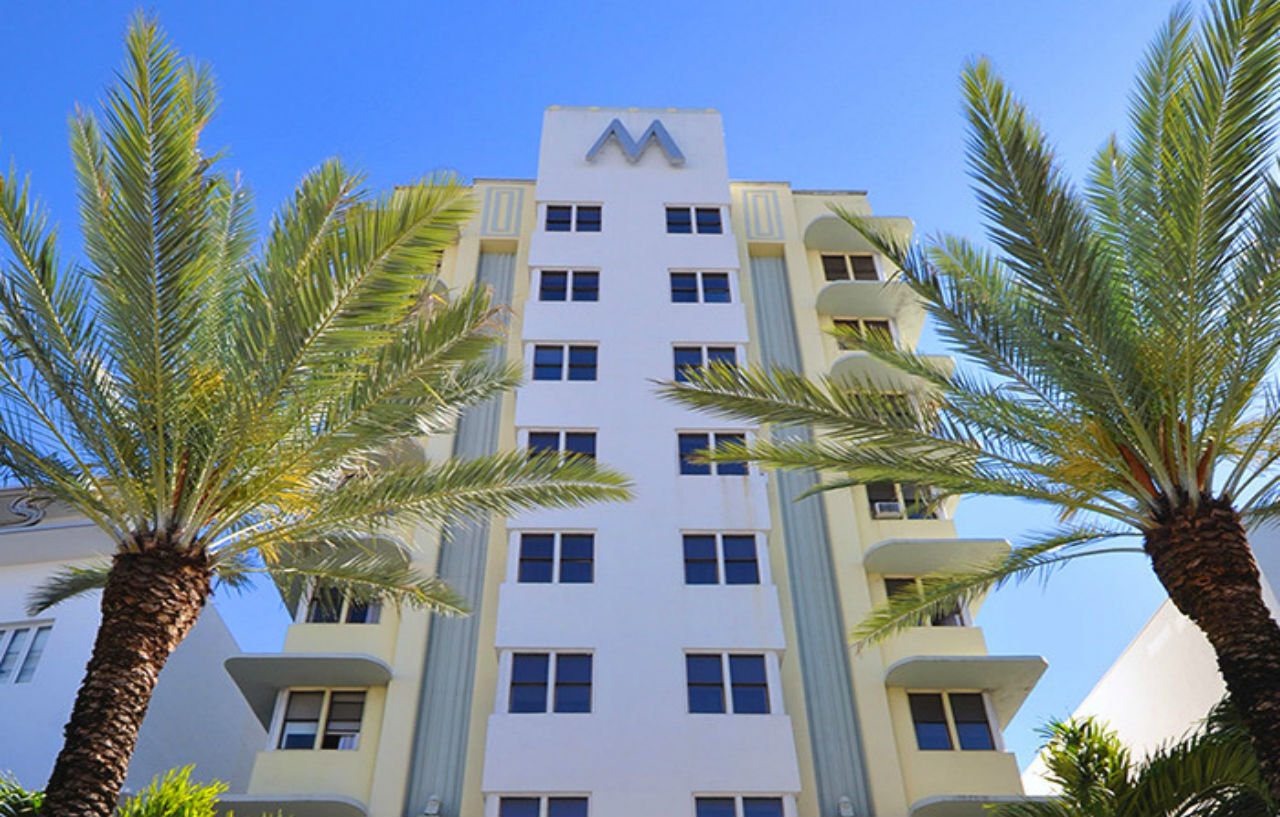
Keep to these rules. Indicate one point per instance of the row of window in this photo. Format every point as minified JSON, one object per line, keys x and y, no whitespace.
{"x":589,"y":218}
{"x":569,"y":558}
{"x":573,"y":361}
{"x":560,"y":806}
{"x":560,"y":682}
{"x":21,"y":646}
{"x":584,"y":285}
{"x":689,"y":444}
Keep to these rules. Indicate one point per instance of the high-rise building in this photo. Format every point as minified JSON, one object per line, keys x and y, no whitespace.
{"x":684,"y":654}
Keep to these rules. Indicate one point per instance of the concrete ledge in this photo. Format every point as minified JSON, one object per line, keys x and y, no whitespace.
{"x":291,"y":805}
{"x":963,"y":805}
{"x":1007,"y":679}
{"x":916,"y":557}
{"x":261,"y":675}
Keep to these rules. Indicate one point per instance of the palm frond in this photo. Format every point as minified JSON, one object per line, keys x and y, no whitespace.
{"x":66,"y":584}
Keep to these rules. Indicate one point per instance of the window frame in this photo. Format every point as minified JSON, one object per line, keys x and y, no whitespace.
{"x":561,"y":436}
{"x":276,"y":734}
{"x":557,"y":535}
{"x":574,"y":222}
{"x":32,"y":642}
{"x":704,"y":355}
{"x":565,"y":365}
{"x":904,"y":515}
{"x":544,"y":799}
{"x":739,"y":801}
{"x":860,"y":324}
{"x":712,"y":441}
{"x":551,"y":684}
{"x":692,"y":212}
{"x":700,"y":287}
{"x":772,"y":689}
{"x":948,"y":713}
{"x":849,"y":274}
{"x":961,"y":613}
{"x":718,"y":537}
{"x":572,"y":277}
{"x":345,"y":608}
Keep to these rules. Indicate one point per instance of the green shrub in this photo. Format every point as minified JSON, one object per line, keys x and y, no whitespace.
{"x":16,"y":801}
{"x":174,"y":795}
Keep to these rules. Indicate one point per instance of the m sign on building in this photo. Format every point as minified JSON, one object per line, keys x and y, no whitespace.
{"x":634,"y":148}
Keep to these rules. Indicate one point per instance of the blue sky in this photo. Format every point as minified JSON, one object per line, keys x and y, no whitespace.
{"x":849,"y":94}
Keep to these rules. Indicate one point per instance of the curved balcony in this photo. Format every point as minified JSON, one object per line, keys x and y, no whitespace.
{"x":830,"y":233}
{"x":1007,"y":679}
{"x":961,"y":805}
{"x":874,"y":299}
{"x":312,"y":805}
{"x":860,"y":368}
{"x":920,"y":557}
{"x":260,"y":676}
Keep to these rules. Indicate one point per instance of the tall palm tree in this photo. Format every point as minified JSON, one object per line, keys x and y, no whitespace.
{"x":1211,"y":773}
{"x":1116,"y":343}
{"x":219,"y":409}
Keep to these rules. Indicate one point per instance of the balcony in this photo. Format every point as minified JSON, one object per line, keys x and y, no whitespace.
{"x":960,"y":805}
{"x":919,"y":557}
{"x":874,"y":299}
{"x":261,"y":676}
{"x":933,"y":640}
{"x":859,"y":368}
{"x":312,"y":805}
{"x":1007,"y":679}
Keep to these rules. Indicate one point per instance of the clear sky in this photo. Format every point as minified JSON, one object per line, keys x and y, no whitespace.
{"x":850,"y":94}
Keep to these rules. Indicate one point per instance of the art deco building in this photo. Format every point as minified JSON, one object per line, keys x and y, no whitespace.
{"x":684,"y":654}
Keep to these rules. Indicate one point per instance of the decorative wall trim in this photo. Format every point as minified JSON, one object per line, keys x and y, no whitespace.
{"x":838,"y":761}
{"x":501,"y":216}
{"x":762,"y":215}
{"x":633,"y":149}
{"x":444,"y":710}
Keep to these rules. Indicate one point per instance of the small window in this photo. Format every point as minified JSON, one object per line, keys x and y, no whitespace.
{"x":530,"y":681}
{"x":856,"y":267}
{"x":542,"y":553}
{"x":684,"y":220}
{"x":968,"y":711}
{"x":890,"y":500}
{"x":586,"y":286}
{"x":329,"y":605}
{"x":834,"y":268}
{"x":690,"y":444}
{"x":534,"y":807}
{"x":748,"y":688}
{"x":930,"y":721}
{"x":562,"y":285}
{"x":708,"y":220}
{"x":700,"y":287}
{"x":896,"y":586}
{"x":549,"y":362}
{"x":973,"y":732}
{"x":301,"y":720}
{"x":738,"y":807}
{"x":563,"y":218}
{"x":333,"y":716}
{"x":679,"y":220}
{"x":553,"y":285}
{"x":688,"y":358}
{"x":342,"y":726}
{"x":862,"y":328}
{"x":21,"y":647}
{"x":715,"y":558}
{"x":864,"y":268}
{"x":577,"y":443}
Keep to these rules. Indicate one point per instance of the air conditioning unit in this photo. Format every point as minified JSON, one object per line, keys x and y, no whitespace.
{"x":886,"y":510}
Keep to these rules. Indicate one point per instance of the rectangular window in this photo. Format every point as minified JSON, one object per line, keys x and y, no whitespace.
{"x":856,"y":267}
{"x":688,"y":358}
{"x":679,"y":220}
{"x":684,"y":220}
{"x":553,"y":285}
{"x":896,"y":586}
{"x":540,"y":553}
{"x":690,"y":444}
{"x":329,"y":605}
{"x":969,"y":711}
{"x":562,"y":285}
{"x":530,"y":680}
{"x":890,"y":500}
{"x":708,"y":220}
{"x":738,"y":807}
{"x":861,"y":328}
{"x":342,"y":725}
{"x":968,"y":714}
{"x":700,"y":287}
{"x":301,"y":720}
{"x":549,"y":362}
{"x":563,"y":218}
{"x":342,"y":711}
{"x":748,"y":687}
{"x":586,"y":286}
{"x":578,"y":443}
{"x":708,"y":557}
{"x":21,"y":647}
{"x":534,"y":807}
{"x":930,"y":721}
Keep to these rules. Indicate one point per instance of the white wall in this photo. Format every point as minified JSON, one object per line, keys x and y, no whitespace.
{"x":639,"y":618}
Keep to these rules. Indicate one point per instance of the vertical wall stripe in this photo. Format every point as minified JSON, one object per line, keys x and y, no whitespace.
{"x":839,"y":766}
{"x":444,"y":709}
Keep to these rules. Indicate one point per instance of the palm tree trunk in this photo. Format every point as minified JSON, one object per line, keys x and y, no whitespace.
{"x":151,"y":601}
{"x":1202,"y":557}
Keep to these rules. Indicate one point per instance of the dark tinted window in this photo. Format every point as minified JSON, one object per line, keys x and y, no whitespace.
{"x":529,"y":682}
{"x":573,"y":683}
{"x":537,"y":553}
{"x":686,"y":358}
{"x":691,"y":444}
{"x":552,"y":286}
{"x":567,"y":807}
{"x":864,"y":268}
{"x":762,"y":807}
{"x":715,"y":287}
{"x":342,"y":726}
{"x":559,"y":218}
{"x":722,"y":354}
{"x":518,"y":807}
{"x":577,"y":558}
{"x":586,"y":287}
{"x":730,"y":468}
{"x":740,"y":566}
{"x":750,"y":690}
{"x":588,"y":219}
{"x":679,"y":220}
{"x":582,"y":363}
{"x":684,"y":287}
{"x":548,"y":362}
{"x":714,"y":807}
{"x":930,"y":721}
{"x":706,"y":683}
{"x":700,"y":559}
{"x":544,"y":442}
{"x":582,"y":443}
{"x":709,"y":220}
{"x":834,"y":269}
{"x":325,"y":606}
{"x":970,"y":714}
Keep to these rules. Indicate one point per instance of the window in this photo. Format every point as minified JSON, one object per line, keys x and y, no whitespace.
{"x":713,"y":558}
{"x":695,"y":357}
{"x":542,"y":553}
{"x":530,"y":681}
{"x":889,"y":500}
{"x":582,"y":218}
{"x":700,"y":287}
{"x":549,"y":362}
{"x":859,"y":267}
{"x":575,"y":285}
{"x":862,"y":328}
{"x":748,"y":689}
{"x":342,"y":712}
{"x":579,"y":443}
{"x":21,"y":646}
{"x":534,"y":807}
{"x":968,"y":713}
{"x":896,"y":586}
{"x":684,"y":220}
{"x":738,"y":807}
{"x":692,"y":443}
{"x":329,"y":605}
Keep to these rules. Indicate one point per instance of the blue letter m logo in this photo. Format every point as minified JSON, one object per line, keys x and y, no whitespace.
{"x":633,"y":148}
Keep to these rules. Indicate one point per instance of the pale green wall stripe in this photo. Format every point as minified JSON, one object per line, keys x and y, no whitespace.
{"x":838,"y":760}
{"x":444,"y":709}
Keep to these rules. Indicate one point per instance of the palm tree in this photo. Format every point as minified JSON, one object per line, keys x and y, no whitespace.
{"x":219,"y":409}
{"x":1122,"y":336}
{"x":1211,"y":773}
